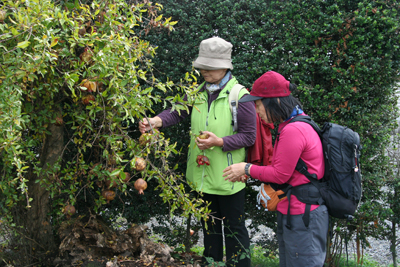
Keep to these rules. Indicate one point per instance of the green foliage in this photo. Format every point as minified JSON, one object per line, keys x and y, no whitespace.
{"x":260,"y":258}
{"x":74,"y":81}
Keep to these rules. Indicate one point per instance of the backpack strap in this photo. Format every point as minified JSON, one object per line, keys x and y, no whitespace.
{"x":307,"y":193}
{"x":233,"y":103}
{"x":307,"y":119}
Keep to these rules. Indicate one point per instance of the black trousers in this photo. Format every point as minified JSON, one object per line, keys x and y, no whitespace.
{"x":230,"y":211}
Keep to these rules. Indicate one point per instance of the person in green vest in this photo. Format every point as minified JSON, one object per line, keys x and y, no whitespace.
{"x":207,"y":158}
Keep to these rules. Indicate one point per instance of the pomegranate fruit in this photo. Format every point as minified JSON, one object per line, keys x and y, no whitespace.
{"x":89,"y":85}
{"x":191,"y":232}
{"x":127,"y":177}
{"x":87,"y":55}
{"x":146,"y":138}
{"x":110,"y":183}
{"x":87,"y":99}
{"x":69,"y":210}
{"x":203,"y":135}
{"x":82,"y":31}
{"x":99,"y":86}
{"x":202,"y":160}
{"x":108,"y":195}
{"x":140,"y":164}
{"x":91,"y":29}
{"x":59,"y":121}
{"x":140,"y":185}
{"x":3,"y":15}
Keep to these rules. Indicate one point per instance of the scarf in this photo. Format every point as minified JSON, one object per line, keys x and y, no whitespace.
{"x":211,"y":88}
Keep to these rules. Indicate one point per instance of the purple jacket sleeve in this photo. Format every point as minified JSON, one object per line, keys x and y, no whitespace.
{"x":246,"y":134}
{"x":171,"y":118}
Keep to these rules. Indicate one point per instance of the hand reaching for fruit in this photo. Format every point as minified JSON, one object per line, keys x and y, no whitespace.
{"x":155,"y":123}
{"x":207,"y":140}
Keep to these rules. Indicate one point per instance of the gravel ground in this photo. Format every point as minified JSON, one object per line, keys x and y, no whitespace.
{"x":378,"y":251}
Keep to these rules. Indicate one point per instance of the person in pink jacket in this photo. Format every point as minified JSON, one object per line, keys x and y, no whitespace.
{"x":302,"y":228}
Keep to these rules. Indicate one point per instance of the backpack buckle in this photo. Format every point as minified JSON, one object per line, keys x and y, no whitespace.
{"x":303,"y":170}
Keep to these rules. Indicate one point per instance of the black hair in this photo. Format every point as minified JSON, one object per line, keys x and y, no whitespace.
{"x":280,"y":108}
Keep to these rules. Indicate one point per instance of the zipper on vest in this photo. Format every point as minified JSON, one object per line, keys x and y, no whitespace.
{"x":202,"y":178}
{"x":230,"y":162}
{"x":204,"y":153}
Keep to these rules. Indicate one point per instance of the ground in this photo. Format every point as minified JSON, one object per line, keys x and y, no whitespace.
{"x":184,"y":259}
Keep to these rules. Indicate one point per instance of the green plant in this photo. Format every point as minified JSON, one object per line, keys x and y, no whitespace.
{"x":366,"y":262}
{"x":198,"y":250}
{"x":260,"y":259}
{"x":67,"y":143}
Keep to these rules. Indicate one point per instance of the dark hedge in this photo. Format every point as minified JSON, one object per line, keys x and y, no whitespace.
{"x":344,"y":55}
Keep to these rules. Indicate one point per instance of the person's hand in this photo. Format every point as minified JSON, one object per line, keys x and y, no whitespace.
{"x":144,"y":125}
{"x":211,"y":141}
{"x":235,"y":172}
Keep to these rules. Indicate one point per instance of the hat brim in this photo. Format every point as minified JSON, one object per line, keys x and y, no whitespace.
{"x":206,"y":63}
{"x":248,"y":98}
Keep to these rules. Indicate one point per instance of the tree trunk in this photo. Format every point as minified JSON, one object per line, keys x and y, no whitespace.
{"x":393,"y":243}
{"x":39,"y":233}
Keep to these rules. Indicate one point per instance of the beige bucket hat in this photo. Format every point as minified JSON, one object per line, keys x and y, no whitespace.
{"x":214,"y":54}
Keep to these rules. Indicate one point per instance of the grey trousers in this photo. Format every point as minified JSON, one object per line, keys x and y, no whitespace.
{"x":303,"y":246}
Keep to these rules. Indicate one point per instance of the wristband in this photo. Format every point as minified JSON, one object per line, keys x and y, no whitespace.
{"x":246,"y":169}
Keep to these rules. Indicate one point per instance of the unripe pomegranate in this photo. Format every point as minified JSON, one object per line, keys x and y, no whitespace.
{"x":108,"y":195}
{"x":87,"y":99}
{"x":140,"y":164}
{"x":203,"y":135}
{"x":140,"y":185}
{"x":69,"y":210}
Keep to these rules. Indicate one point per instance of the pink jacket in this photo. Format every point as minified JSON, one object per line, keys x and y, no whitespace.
{"x":295,"y":140}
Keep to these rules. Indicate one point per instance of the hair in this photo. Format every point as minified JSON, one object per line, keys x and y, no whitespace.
{"x":280,"y":108}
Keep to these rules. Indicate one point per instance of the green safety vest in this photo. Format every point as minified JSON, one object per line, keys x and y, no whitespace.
{"x":216,"y":119}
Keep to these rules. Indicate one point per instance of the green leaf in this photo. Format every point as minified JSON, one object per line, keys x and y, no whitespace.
{"x":23,"y":44}
{"x":14,"y":31}
{"x":115,"y":173}
{"x":54,"y":42}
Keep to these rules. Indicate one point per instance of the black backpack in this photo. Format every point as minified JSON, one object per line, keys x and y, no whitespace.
{"x":340,"y":189}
